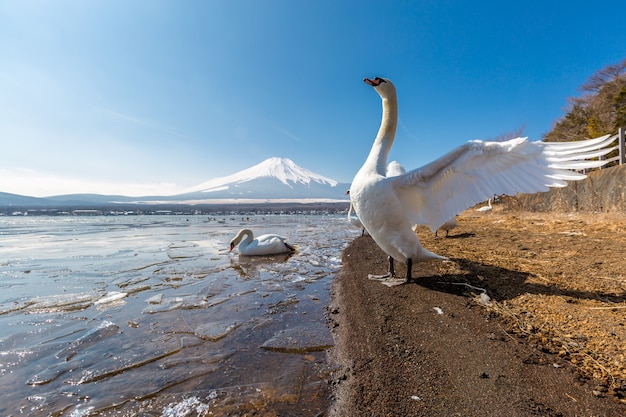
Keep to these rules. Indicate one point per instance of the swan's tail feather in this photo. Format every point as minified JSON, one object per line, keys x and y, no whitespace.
{"x":426,"y":255}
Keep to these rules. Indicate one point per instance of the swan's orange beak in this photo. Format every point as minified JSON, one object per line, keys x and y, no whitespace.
{"x":375,"y":82}
{"x":231,"y":247}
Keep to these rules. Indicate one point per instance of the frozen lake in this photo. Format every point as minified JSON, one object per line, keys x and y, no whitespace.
{"x":152,"y":316}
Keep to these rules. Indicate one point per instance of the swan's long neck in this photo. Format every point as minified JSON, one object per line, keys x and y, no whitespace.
{"x":382,"y":144}
{"x":244,"y":237}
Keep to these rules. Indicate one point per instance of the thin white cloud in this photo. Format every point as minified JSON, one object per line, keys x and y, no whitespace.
{"x":142,"y":122}
{"x":406,"y":130}
{"x":290,"y":135}
{"x":39,"y":184}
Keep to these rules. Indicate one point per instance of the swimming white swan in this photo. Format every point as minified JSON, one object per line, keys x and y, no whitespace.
{"x":389,"y":207}
{"x":486,"y":208}
{"x":263,"y":245}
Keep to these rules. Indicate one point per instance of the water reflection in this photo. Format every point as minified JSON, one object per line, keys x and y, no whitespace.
{"x":249,"y":266}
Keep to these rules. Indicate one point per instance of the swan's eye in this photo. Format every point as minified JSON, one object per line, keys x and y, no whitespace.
{"x":380,"y":80}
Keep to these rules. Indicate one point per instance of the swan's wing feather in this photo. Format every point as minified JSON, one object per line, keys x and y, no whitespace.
{"x":597,"y":142}
{"x":265,"y":245}
{"x":271,"y":241}
{"x":477,"y":170}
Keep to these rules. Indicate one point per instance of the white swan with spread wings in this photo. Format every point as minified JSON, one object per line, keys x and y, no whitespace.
{"x":389,"y":207}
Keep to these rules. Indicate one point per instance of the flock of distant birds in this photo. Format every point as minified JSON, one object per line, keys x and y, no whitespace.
{"x":386,"y":201}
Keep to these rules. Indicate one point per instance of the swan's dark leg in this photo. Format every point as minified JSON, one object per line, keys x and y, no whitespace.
{"x":409,"y":266}
{"x":390,"y":274}
{"x":389,"y":278}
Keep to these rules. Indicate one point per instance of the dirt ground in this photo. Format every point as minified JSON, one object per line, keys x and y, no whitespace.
{"x":549,"y":340}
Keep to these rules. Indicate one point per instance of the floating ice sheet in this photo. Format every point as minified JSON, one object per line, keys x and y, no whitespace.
{"x":300,"y":339}
{"x":216,"y":330}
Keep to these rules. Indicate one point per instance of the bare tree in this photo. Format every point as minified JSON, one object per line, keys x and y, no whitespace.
{"x":600,"y":110}
{"x":502,"y":137}
{"x":603,"y":76}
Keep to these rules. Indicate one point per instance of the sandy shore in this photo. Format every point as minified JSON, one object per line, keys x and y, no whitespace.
{"x":432,"y":349}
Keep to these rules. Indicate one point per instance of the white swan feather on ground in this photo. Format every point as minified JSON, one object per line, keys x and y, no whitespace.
{"x":269,"y":244}
{"x":389,"y":206}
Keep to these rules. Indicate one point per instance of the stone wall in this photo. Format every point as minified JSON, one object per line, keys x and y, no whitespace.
{"x":603,"y":190}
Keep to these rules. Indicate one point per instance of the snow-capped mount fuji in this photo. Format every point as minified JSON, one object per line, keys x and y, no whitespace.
{"x":273,"y":179}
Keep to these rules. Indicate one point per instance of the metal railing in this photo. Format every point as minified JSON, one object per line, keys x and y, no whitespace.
{"x":620,"y":158}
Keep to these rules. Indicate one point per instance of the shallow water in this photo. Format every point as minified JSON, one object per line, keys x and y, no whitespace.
{"x":152,"y":316}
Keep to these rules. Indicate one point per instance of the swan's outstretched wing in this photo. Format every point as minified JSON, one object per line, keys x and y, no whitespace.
{"x":477,"y":170}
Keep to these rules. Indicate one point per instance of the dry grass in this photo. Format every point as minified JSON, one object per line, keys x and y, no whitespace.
{"x":559,"y":280}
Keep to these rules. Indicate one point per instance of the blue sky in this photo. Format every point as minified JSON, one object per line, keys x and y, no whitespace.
{"x":147,"y":97}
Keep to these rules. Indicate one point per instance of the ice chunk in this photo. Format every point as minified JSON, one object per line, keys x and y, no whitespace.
{"x":135,"y":355}
{"x":216,"y":330}
{"x":102,"y":331}
{"x":111,"y":297}
{"x":300,"y":339}
{"x":187,"y":407}
{"x":50,"y":374}
{"x":61,"y":302}
{"x":155,"y":299}
{"x":168,"y":304}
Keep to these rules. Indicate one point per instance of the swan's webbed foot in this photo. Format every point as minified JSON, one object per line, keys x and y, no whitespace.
{"x":389,"y":279}
{"x":379,"y":277}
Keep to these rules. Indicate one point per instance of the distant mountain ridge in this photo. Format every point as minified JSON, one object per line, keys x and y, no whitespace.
{"x":271,"y":180}
{"x":8,"y":199}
